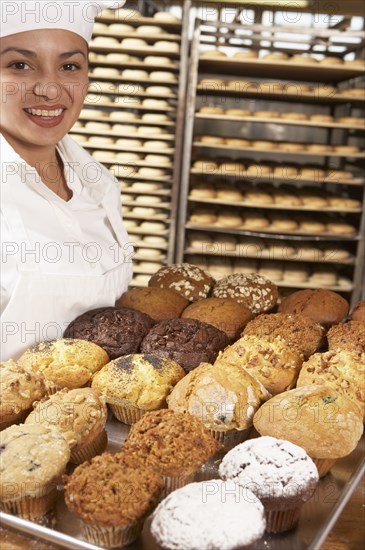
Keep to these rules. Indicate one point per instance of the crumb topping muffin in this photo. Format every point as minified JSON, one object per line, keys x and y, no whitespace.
{"x":358,"y":313}
{"x":158,"y":303}
{"x":69,"y":363}
{"x":256,"y":291}
{"x":272,"y":362}
{"x":347,"y":336}
{"x":207,"y":515}
{"x":343,"y":370}
{"x":297,"y":330}
{"x":117,"y":330}
{"x":192,"y":282}
{"x":169,"y":442}
{"x":189,"y":342}
{"x":19,"y":387}
{"x":322,"y":306}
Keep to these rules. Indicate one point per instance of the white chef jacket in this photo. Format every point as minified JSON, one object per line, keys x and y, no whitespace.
{"x":58,"y":259}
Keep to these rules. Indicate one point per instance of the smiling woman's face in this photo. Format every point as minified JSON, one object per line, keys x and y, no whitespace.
{"x":44,"y":79}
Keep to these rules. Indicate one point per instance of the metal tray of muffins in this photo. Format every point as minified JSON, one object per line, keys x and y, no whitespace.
{"x":317,"y":519}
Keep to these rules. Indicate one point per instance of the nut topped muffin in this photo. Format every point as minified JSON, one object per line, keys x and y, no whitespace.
{"x":272,"y":362}
{"x":69,"y":363}
{"x":189,"y":342}
{"x":349,"y":336}
{"x":19,"y":387}
{"x":158,"y":303}
{"x":192,"y":282}
{"x":278,"y":472}
{"x":257,"y":292}
{"x":80,"y":415}
{"x":298,"y":331}
{"x":32,"y":460}
{"x":111,"y":499}
{"x":322,"y":306}
{"x":117,"y":330}
{"x":136,"y":383}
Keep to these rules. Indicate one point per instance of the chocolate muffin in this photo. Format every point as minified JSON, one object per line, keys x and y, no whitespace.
{"x":257,"y":292}
{"x":297,"y":330}
{"x":358,"y":313}
{"x":192,"y":282}
{"x":189,"y":342}
{"x":158,"y":303}
{"x":322,"y":306}
{"x":118,"y":331}
{"x":349,"y":336}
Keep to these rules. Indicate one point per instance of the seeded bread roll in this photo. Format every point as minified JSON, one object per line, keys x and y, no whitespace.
{"x":322,"y":306}
{"x":347,"y":336}
{"x":192,"y":282}
{"x":225,"y":314}
{"x":187,"y":341}
{"x":343,"y":370}
{"x":258,"y":293}
{"x":158,"y":303}
{"x":117,"y":330}
{"x":298,"y":331}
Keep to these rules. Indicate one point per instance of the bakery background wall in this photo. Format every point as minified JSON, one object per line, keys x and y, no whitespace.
{"x":264,"y":173}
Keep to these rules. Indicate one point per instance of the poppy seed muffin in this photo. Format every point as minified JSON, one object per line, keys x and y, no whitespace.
{"x":117,"y":330}
{"x":158,"y":303}
{"x":278,"y":472}
{"x":297,"y":330}
{"x":136,"y":383}
{"x":207,"y":515}
{"x":189,"y":342}
{"x":349,"y":336}
{"x":257,"y":292}
{"x":192,"y":282}
{"x":223,"y":313}
{"x":322,"y":306}
{"x":358,"y":313}
{"x":67,"y":362}
{"x":18,"y":389}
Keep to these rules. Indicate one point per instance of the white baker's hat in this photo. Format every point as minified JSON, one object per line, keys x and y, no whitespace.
{"x":77,"y":16}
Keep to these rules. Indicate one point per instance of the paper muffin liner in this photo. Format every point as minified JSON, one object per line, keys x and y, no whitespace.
{"x":231,"y":438}
{"x":80,"y":454}
{"x":324,"y":465}
{"x":33,"y":508}
{"x":128,"y":414}
{"x":109,"y":537}
{"x":171,"y":483}
{"x":278,"y":521}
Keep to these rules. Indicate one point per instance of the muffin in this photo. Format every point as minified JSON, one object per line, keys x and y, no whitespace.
{"x":298,"y":331}
{"x":358,"y":313}
{"x":278,"y":472}
{"x":100,"y":494}
{"x":137,"y":383}
{"x":343,"y":370}
{"x":258,"y":293}
{"x":186,"y":518}
{"x":349,"y":336}
{"x":158,"y":303}
{"x":325,"y":423}
{"x":186,"y":341}
{"x":192,"y":282}
{"x":322,"y":306}
{"x":80,"y":415}
{"x":33,"y":458}
{"x":224,"y":397}
{"x":175,"y":445}
{"x":117,"y":330}
{"x":18,"y":389}
{"x":225,"y":314}
{"x":68,"y":363}
{"x":274,"y":363}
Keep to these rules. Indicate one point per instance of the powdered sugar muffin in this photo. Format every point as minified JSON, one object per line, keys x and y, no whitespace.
{"x":273,"y":363}
{"x":258,"y":293}
{"x":185,"y":519}
{"x":189,"y":280}
{"x":278,"y":472}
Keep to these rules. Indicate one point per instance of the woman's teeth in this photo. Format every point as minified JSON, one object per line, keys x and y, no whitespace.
{"x":45,"y":113}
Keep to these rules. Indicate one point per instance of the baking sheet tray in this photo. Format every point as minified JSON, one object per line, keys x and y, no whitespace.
{"x":317,"y":518}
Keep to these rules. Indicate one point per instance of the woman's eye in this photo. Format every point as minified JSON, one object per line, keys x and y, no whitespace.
{"x":70,"y":67}
{"x":20,"y":66}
